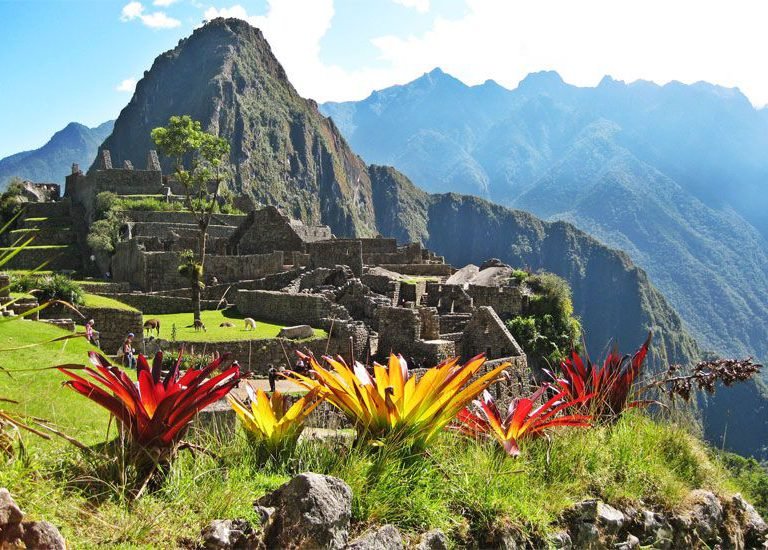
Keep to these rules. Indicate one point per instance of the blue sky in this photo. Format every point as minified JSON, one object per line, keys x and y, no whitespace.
{"x":77,"y":60}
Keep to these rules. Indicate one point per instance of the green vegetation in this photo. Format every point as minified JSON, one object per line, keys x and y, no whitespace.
{"x":549,"y":329}
{"x":11,"y":201}
{"x":185,"y":332}
{"x":751,"y":477}
{"x":48,"y":287}
{"x":464,"y":486}
{"x":98,"y":301}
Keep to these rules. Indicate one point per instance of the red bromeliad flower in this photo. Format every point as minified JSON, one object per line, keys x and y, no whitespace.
{"x":155,"y":410}
{"x":521,"y":420}
{"x":609,"y":387}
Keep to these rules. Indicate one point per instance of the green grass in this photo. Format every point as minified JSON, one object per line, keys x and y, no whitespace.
{"x":212,"y":319}
{"x":98,"y":301}
{"x":40,"y":392}
{"x":467,"y":488}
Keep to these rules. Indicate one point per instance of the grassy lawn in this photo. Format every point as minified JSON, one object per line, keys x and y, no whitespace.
{"x":40,"y":392}
{"x":212,"y":319}
{"x":460,"y":485}
{"x":98,"y":301}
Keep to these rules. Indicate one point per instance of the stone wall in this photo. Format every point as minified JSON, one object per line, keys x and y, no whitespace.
{"x":158,"y":304}
{"x":59,"y":258}
{"x":113,"y":325}
{"x":159,"y":270}
{"x":289,"y":309}
{"x":268,"y":229}
{"x":454,"y":322}
{"x":379,"y":245}
{"x":255,"y":355}
{"x":486,"y":333}
{"x":184,"y":218}
{"x":335,"y":252}
{"x":399,"y":330}
{"x":421,"y":270}
{"x":508,"y":302}
{"x":449,"y":299}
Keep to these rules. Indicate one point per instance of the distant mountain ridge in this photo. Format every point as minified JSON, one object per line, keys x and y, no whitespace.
{"x":53,"y":161}
{"x":676,"y":175}
{"x":286,"y":153}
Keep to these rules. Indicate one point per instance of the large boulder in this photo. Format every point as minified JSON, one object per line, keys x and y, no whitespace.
{"x":10,"y":513}
{"x":753,"y":526}
{"x":310,"y":511}
{"x":433,"y":540}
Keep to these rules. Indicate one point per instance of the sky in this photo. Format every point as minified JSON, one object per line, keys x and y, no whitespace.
{"x":79,"y":60}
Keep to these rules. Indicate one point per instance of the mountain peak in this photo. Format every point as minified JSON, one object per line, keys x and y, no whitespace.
{"x":542,"y":81}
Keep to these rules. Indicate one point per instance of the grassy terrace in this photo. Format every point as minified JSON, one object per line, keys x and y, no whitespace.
{"x":98,"y":301}
{"x":460,"y":486}
{"x":212,"y":319}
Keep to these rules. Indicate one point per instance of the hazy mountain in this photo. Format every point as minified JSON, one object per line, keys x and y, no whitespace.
{"x":674,"y":175}
{"x":53,"y":161}
{"x":286,"y":153}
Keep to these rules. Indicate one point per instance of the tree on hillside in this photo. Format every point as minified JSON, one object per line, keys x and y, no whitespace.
{"x":200,"y":165}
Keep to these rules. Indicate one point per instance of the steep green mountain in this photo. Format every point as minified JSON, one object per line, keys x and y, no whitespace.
{"x":286,"y":153}
{"x":51,"y":162}
{"x":674,"y":175}
{"x":283,"y":151}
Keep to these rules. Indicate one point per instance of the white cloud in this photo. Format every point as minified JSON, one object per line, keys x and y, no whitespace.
{"x":421,"y":6}
{"x":154,"y":20}
{"x":127,"y":85}
{"x":164,"y":3}
{"x":687,"y":40}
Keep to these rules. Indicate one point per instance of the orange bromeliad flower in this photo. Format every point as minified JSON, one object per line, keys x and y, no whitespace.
{"x":392,"y":404}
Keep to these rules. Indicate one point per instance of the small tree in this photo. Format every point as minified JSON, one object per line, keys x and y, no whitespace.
{"x":199,"y":165}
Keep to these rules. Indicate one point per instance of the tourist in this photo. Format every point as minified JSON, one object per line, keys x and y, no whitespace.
{"x":129,"y":359}
{"x":272,"y":374}
{"x":90,"y":334}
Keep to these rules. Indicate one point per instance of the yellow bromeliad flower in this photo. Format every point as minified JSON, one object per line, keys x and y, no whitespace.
{"x":393,"y":405}
{"x":269,"y":421}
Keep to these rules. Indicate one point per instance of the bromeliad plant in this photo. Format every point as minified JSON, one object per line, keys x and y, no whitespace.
{"x":155,"y":411}
{"x":271,"y":425}
{"x":603,"y":391}
{"x":522,"y":419}
{"x":392,"y":405}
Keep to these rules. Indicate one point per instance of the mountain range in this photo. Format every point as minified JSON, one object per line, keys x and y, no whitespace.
{"x":674,"y":175}
{"x":284,"y":152}
{"x":75,"y":143}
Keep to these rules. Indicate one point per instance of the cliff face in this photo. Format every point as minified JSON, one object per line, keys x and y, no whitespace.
{"x":284,"y":152}
{"x":287,"y":154}
{"x":613,"y":297}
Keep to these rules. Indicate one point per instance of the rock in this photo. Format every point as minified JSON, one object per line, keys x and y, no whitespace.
{"x":229,"y":534}
{"x":492,"y":262}
{"x":42,"y":535}
{"x":654,"y":529}
{"x":560,"y":541}
{"x":609,"y":519}
{"x":704,"y":514}
{"x":9,"y":511}
{"x":433,"y":540}
{"x":384,"y":538}
{"x":588,"y":537}
{"x":631,"y":543}
{"x":299,"y":332}
{"x":754,"y":527}
{"x":311,"y":511}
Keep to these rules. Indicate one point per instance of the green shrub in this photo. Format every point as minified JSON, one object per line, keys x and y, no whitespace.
{"x":11,"y":201}
{"x":49,"y":287}
{"x":105,"y":233}
{"x":751,"y":476}
{"x":548,"y":329}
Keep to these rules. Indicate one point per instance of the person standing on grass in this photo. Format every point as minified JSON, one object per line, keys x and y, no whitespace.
{"x":91,"y":334}
{"x":272,"y":374}
{"x":128,"y":352}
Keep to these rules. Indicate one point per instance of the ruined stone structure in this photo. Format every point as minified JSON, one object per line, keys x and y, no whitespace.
{"x":373,"y":296}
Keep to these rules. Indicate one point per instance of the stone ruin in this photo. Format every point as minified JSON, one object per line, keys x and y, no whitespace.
{"x":373,"y":295}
